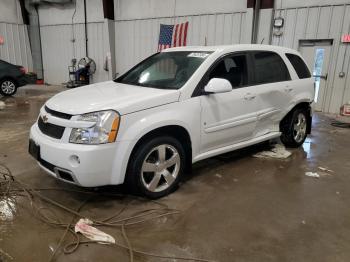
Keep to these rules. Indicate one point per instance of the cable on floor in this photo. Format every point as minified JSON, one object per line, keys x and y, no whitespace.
{"x":11,"y":188}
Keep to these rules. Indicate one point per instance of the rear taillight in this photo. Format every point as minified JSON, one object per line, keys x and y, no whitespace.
{"x":23,"y":70}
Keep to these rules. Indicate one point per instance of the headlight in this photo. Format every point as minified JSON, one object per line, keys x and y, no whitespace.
{"x":104,"y":131}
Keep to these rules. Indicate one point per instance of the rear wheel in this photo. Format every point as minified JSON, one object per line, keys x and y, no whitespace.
{"x":8,"y":87}
{"x":294,"y":128}
{"x":156,"y":167}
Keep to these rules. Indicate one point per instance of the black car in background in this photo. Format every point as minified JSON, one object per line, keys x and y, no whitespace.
{"x":11,"y":77}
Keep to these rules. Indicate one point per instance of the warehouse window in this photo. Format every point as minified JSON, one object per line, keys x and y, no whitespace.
{"x":299,"y":66}
{"x":233,"y":68}
{"x":269,"y":68}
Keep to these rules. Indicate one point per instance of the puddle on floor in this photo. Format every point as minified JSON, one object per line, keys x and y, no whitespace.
{"x":307,"y":147}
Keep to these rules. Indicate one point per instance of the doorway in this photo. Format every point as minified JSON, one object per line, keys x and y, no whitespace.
{"x":316,"y":54}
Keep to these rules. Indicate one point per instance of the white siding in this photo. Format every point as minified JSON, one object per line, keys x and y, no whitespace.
{"x":59,"y":24}
{"x":58,"y":50}
{"x":145,"y":9}
{"x":210,"y":22}
{"x":56,"y":14}
{"x":10,"y":12}
{"x":16,"y":48}
{"x":321,"y":22}
{"x":138,"y":38}
{"x":264,"y":27}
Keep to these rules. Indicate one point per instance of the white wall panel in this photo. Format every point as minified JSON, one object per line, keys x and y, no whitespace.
{"x":279,"y":4}
{"x":264,"y":27}
{"x":290,"y":24}
{"x":324,"y":20}
{"x":146,"y":9}
{"x":58,"y":50}
{"x":16,"y":48}
{"x":54,"y":14}
{"x":195,"y":7}
{"x":300,"y":26}
{"x":321,"y":22}
{"x":312,"y":23}
{"x":137,"y":39}
{"x":10,"y":12}
{"x":337,"y":87}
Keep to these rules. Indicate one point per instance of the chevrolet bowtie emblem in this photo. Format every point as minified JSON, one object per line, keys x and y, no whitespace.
{"x":45,"y":118}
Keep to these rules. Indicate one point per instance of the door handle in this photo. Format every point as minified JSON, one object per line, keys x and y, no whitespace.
{"x":249,"y":96}
{"x":288,"y":89}
{"x":321,"y":76}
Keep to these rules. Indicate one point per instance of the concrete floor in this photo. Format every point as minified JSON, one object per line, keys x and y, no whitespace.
{"x":234,"y":207}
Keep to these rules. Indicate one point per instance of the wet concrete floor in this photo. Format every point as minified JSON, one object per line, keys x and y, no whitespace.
{"x":233,"y":207}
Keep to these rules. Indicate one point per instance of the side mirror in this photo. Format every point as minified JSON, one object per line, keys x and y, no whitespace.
{"x":218,"y":85}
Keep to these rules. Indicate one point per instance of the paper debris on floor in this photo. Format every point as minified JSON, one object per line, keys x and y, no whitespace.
{"x":84,"y":226}
{"x":218,"y":175}
{"x":312,"y":174}
{"x":325,"y":169}
{"x":2,"y":105}
{"x":278,"y":151}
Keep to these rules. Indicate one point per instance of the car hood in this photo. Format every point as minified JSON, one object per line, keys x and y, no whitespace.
{"x":110,"y":95}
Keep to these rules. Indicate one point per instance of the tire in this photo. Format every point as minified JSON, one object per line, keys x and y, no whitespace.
{"x":148,"y":175}
{"x":294,"y":128}
{"x":8,"y":87}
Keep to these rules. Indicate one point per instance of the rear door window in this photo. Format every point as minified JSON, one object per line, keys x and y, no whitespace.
{"x":299,"y":66}
{"x":269,"y":67}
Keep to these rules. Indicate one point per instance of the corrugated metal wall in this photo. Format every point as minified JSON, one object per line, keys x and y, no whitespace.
{"x":138,"y":38}
{"x":58,"y":49}
{"x":322,"y":22}
{"x":16,"y":48}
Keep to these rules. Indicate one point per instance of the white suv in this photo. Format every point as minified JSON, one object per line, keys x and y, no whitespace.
{"x":174,"y":108}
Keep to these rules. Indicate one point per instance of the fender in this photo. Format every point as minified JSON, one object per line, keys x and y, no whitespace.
{"x":305,"y":92}
{"x":136,"y":125}
{"x":294,"y":103}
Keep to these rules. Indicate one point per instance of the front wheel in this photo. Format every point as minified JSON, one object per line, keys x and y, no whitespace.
{"x":8,"y":87}
{"x":294,"y":128}
{"x":156,"y":167}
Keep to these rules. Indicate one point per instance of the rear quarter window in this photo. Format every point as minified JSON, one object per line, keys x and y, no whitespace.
{"x":299,"y":66}
{"x":269,"y":67}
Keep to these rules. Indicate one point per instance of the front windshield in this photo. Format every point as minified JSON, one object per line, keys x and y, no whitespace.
{"x":166,"y":70}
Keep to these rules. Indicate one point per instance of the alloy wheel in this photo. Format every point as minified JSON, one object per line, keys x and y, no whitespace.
{"x":8,"y":87}
{"x":160,"y":168}
{"x":299,"y":131}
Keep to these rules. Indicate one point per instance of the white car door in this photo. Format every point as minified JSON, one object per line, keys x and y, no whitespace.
{"x":228,"y":118}
{"x":274,"y":90}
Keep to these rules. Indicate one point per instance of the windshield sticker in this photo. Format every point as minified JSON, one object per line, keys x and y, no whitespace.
{"x":199,"y":55}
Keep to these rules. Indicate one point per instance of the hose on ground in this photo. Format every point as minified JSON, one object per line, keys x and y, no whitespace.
{"x":11,"y":188}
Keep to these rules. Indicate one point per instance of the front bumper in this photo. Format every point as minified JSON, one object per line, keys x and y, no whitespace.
{"x":97,"y":165}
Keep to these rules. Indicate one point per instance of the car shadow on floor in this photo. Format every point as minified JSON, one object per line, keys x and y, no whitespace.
{"x":226,"y":158}
{"x":197,"y":169}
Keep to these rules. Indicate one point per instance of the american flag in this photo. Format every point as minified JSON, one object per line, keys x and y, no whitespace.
{"x":172,"y":35}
